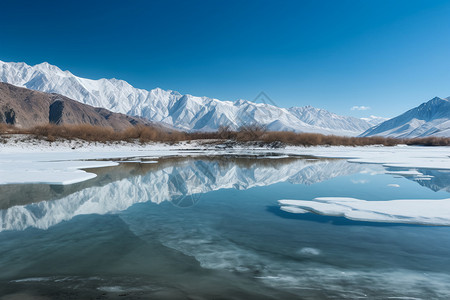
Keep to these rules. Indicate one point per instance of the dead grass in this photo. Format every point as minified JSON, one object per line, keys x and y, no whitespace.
{"x":145,"y":134}
{"x":5,"y":129}
{"x":429,"y":141}
{"x":257,"y":133}
{"x":314,"y":139}
{"x":52,"y":132}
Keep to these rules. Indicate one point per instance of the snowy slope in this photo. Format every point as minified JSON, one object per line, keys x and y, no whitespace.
{"x":325,"y":119}
{"x":431,"y":118}
{"x":185,"y":112}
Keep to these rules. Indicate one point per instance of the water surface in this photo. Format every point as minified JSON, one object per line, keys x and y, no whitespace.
{"x":202,"y":228}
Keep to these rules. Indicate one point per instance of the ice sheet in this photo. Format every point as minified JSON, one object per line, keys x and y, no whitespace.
{"x":413,"y":211}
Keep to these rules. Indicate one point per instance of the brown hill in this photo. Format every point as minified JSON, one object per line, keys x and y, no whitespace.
{"x":27,"y":108}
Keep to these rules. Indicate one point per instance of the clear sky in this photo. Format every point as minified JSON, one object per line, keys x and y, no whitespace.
{"x":387,"y":55}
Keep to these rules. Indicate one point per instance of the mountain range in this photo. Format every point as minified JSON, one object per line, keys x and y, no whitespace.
{"x":184,"y":112}
{"x":192,"y":113}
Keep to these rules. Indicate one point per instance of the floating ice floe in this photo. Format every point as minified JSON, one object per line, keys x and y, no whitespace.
{"x":50,"y":172}
{"x":417,"y":211}
{"x":405,"y":173}
{"x":393,"y":185}
{"x":422,"y":178}
{"x":414,"y":174}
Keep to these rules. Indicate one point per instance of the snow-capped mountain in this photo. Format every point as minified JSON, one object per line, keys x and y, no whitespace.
{"x":324,"y":119}
{"x":185,"y":112}
{"x":431,"y":118}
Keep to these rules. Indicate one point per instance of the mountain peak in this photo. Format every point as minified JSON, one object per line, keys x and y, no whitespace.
{"x":44,"y":64}
{"x":438,"y":99}
{"x":241,"y":102}
{"x":434,"y":102}
{"x":47,"y":67}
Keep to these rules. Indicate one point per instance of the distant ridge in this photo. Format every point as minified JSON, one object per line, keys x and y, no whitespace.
{"x":431,"y":118}
{"x":184,"y":112}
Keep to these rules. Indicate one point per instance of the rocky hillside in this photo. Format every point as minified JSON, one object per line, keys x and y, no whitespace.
{"x":27,"y":108}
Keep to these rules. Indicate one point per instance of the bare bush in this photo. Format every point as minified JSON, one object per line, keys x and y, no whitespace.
{"x":429,"y":141}
{"x":252,"y":133}
{"x":8,"y":129}
{"x":224,"y":132}
{"x":315,"y":139}
{"x":84,"y":132}
{"x":52,"y":132}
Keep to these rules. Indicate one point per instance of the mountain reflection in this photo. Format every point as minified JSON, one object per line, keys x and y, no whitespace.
{"x":180,"y":181}
{"x":438,"y":180}
{"x":434,"y":179}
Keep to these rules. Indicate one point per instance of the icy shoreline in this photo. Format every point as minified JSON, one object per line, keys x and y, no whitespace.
{"x":61,"y":162}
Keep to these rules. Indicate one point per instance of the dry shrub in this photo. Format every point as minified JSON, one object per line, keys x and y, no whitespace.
{"x":151,"y":134}
{"x":249,"y":133}
{"x":224,"y":132}
{"x":429,"y":141}
{"x":91,"y":133}
{"x":8,"y":129}
{"x":84,"y":132}
{"x":257,"y":133}
{"x":315,"y":139}
{"x":144,"y":134}
{"x":207,"y":135}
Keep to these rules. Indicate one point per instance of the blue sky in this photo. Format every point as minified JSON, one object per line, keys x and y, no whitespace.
{"x":386,"y":55}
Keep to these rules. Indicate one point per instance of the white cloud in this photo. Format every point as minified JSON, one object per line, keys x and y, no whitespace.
{"x":362,"y":107}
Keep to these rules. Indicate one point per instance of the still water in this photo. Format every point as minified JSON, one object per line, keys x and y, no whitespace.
{"x":211,"y":228}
